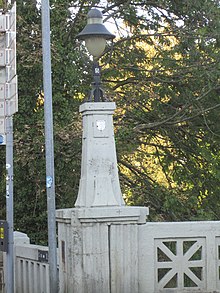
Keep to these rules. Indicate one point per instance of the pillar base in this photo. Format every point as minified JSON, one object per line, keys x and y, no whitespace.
{"x":88,"y":248}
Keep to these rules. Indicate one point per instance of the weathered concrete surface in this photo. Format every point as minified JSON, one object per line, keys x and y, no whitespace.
{"x":89,"y":235}
{"x":99,"y":251}
{"x":99,"y":183}
{"x":2,"y":285}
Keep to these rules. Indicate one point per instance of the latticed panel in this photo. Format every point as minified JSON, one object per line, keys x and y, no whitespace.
{"x":180,"y":264}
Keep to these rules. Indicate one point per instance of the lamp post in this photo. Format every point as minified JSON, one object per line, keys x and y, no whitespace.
{"x":95,"y":36}
{"x":99,"y":183}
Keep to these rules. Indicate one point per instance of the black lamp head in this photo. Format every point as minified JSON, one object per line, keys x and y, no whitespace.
{"x":95,"y":27}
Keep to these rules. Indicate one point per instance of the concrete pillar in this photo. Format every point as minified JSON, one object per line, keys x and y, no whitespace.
{"x":99,"y":183}
{"x":98,"y":249}
{"x":20,"y":238}
{"x":98,"y":238}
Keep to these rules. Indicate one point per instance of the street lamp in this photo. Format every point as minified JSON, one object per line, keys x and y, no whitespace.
{"x":95,"y":36}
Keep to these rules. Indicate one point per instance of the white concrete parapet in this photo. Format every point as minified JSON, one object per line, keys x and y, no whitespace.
{"x":179,"y":257}
{"x":150,"y":258}
{"x":107,"y":257}
{"x":31,"y":269}
{"x":30,"y":264}
{"x":2,"y":283}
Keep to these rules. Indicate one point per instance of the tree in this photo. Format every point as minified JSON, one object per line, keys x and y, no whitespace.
{"x":164,"y":77}
{"x":29,"y":157}
{"x":169,"y":89}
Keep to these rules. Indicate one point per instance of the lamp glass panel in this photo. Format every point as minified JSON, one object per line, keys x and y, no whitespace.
{"x":95,"y":45}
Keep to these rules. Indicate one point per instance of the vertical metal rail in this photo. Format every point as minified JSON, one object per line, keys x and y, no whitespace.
{"x":48,"y":120}
{"x":9,"y":205}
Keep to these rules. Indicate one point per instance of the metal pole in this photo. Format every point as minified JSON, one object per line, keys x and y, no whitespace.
{"x":48,"y":119}
{"x":9,"y":205}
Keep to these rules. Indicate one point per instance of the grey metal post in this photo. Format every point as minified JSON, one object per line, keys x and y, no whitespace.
{"x":9,"y":205}
{"x":48,"y":119}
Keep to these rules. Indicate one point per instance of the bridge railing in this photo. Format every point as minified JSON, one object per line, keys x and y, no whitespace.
{"x":2,"y":283}
{"x":31,"y":269}
{"x":31,"y":266}
{"x":179,"y":257}
{"x":148,"y":258}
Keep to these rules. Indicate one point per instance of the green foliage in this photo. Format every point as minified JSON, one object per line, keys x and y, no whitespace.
{"x":29,"y":185}
{"x":164,"y":75}
{"x":168,"y":88}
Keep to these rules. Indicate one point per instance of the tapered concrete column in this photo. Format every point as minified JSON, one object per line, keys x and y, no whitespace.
{"x":99,"y":183}
{"x":94,"y":236}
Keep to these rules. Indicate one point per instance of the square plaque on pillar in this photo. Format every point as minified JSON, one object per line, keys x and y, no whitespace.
{"x":101,"y":126}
